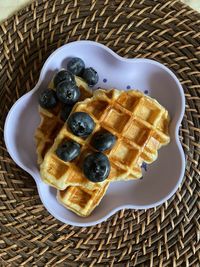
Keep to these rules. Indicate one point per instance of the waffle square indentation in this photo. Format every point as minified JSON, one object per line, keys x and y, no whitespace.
{"x":137,"y":132}
{"x":78,"y":196}
{"x":56,"y":169}
{"x":128,"y":101}
{"x":147,"y":111}
{"x":97,"y":108}
{"x":125,"y":153}
{"x":116,"y":119}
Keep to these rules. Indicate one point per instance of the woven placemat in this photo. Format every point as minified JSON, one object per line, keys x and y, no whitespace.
{"x":166,"y":31}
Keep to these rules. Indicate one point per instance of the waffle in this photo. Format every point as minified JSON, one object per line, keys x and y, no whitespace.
{"x":51,"y":123}
{"x":80,"y":199}
{"x":140,"y":124}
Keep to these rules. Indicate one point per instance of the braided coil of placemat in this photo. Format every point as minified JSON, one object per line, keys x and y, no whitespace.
{"x":166,"y":31}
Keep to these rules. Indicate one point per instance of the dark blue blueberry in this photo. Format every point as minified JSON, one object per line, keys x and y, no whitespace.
{"x":76,"y":66}
{"x":81,"y":124}
{"x":128,"y":87}
{"x":104,"y":80}
{"x":48,"y":99}
{"x":90,"y":76}
{"x":146,"y":92}
{"x":144,"y":166}
{"x":102,"y":141}
{"x":67,"y":93}
{"x":68,"y":150}
{"x":96,"y":167}
{"x":65,"y":111}
{"x":64,"y":75}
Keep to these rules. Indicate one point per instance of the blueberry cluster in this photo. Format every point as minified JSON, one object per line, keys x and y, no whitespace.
{"x":67,"y":92}
{"x":96,"y":166}
{"x":77,"y":67}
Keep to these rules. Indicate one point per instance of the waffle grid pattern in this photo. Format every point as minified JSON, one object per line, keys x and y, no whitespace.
{"x":121,"y":114}
{"x":80,"y":199}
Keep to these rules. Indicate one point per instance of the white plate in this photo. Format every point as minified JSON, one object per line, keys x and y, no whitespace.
{"x":161,"y":178}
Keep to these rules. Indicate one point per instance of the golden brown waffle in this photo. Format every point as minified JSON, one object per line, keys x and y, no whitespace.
{"x":51,"y":123}
{"x":49,"y":126}
{"x":81,"y":200}
{"x":140,"y":124}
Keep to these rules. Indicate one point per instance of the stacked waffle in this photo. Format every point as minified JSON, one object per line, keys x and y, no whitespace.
{"x":139,"y":123}
{"x":52,"y":121}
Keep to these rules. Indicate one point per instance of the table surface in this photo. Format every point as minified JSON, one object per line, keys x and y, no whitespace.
{"x":9,"y":7}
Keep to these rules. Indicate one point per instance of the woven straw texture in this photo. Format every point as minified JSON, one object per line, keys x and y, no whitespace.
{"x":166,"y":31}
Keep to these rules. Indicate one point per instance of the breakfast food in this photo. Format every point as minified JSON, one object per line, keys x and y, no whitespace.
{"x":76,"y":66}
{"x":80,"y":199}
{"x":103,"y":141}
{"x":139,"y":124}
{"x":68,"y":150}
{"x":81,"y":124}
{"x":96,"y":167}
{"x":53,"y":113}
{"x":87,"y":140}
{"x":90,"y":76}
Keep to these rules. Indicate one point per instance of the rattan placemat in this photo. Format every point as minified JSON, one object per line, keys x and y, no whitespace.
{"x":166,"y":31}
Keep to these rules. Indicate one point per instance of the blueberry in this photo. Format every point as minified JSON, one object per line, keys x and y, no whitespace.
{"x":64,"y":75}
{"x":102,"y":141}
{"x":90,"y":76}
{"x":76,"y":66}
{"x":68,"y":150}
{"x":67,"y":93}
{"x":96,"y":167}
{"x":65,"y":111}
{"x":48,"y":99}
{"x":81,"y":124}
